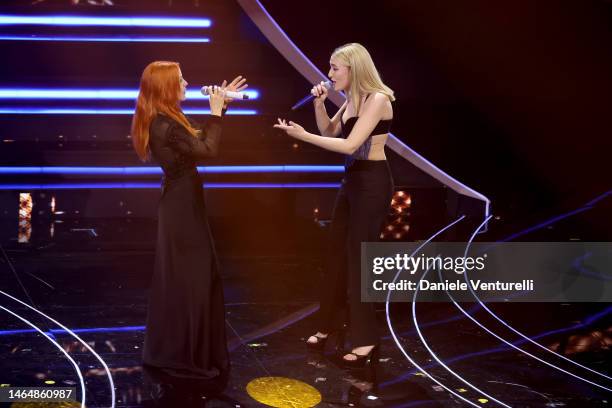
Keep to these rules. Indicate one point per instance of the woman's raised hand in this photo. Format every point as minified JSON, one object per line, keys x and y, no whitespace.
{"x":237,"y":85}
{"x":216,"y":100}
{"x":319,"y":91}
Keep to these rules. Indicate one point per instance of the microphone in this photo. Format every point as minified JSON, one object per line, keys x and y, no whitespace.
{"x":309,"y":98}
{"x":229,"y":94}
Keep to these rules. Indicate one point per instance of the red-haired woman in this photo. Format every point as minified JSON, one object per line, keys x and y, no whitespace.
{"x":185,"y":334}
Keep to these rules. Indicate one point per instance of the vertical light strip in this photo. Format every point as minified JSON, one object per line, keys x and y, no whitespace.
{"x":25,"y":218}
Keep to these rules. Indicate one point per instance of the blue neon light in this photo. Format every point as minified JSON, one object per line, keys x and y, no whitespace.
{"x":118,"y":186}
{"x":79,"y":111}
{"x":270,"y":185}
{"x":129,"y":94}
{"x":105,"y":39}
{"x":126,"y":171}
{"x":583,"y":323}
{"x":105,"y":21}
{"x":100,"y":330}
{"x":270,"y":169}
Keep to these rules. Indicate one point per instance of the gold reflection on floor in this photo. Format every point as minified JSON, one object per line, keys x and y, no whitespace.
{"x":283,"y":392}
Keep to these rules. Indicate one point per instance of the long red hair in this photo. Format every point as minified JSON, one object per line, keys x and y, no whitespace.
{"x":159,"y":92}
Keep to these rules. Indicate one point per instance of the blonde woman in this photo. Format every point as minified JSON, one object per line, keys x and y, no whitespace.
{"x":359,"y":130}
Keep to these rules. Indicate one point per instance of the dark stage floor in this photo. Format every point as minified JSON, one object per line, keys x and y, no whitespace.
{"x":95,"y":283}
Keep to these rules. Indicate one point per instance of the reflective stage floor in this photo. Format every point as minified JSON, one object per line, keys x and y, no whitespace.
{"x":93,"y":277}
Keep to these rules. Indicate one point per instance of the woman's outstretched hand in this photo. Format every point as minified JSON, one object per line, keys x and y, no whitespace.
{"x":237,"y":85}
{"x":291,"y":128}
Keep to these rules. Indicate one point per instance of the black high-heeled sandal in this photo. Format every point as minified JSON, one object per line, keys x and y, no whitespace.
{"x":321,"y":341}
{"x":367,"y":362}
{"x":319,"y":345}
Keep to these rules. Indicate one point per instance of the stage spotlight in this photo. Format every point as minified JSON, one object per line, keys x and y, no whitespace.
{"x":397,"y":226}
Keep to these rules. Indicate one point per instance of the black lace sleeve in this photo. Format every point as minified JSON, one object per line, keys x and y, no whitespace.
{"x":205,"y":145}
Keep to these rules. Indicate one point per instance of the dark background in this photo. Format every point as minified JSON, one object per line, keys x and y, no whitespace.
{"x":510,"y":98}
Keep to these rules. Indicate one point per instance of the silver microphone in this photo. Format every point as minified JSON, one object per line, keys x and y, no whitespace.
{"x":229,"y":94}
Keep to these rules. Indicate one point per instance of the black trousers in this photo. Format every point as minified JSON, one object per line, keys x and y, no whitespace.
{"x":361,"y":207}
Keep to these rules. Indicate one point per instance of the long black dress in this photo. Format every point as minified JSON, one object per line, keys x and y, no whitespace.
{"x":185,"y":335}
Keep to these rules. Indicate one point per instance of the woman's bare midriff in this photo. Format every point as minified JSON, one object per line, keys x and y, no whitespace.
{"x":377,"y":148}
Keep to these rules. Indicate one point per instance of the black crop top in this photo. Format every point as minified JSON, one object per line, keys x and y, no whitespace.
{"x":383,"y":126}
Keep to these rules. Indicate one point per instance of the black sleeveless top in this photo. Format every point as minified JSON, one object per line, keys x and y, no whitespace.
{"x":362,"y":153}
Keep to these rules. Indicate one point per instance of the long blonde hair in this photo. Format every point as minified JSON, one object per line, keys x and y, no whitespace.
{"x":159,"y":93}
{"x":365,"y":78}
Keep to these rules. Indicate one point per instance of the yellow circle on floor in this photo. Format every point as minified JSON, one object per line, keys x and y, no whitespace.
{"x":283,"y":392}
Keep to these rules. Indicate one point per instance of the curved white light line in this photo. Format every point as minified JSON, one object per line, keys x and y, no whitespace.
{"x":73,"y":334}
{"x":527,"y":337}
{"x":390,"y":325}
{"x":447,"y":368}
{"x":544,"y":396}
{"x":283,"y":44}
{"x":469,"y":316}
{"x":60,"y":348}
